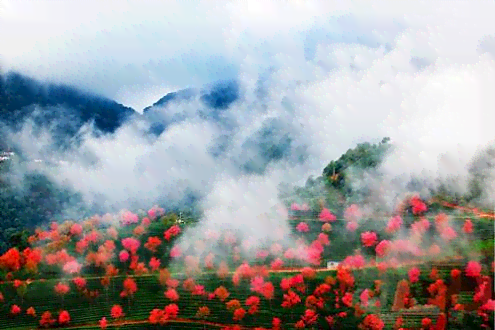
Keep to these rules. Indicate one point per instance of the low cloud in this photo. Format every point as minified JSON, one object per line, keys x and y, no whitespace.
{"x":424,"y":83}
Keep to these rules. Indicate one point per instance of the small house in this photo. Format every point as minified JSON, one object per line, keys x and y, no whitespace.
{"x":332,"y":264}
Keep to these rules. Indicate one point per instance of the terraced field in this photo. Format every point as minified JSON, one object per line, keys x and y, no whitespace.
{"x":363,"y":285}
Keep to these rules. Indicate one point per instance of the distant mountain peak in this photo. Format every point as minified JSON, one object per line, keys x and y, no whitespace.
{"x":221,"y":95}
{"x":217,"y":97}
{"x":21,"y":95}
{"x":184,"y":94}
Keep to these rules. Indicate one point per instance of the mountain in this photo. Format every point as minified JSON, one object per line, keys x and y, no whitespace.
{"x":275,"y":139}
{"x":68,"y":108}
{"x":63,"y":110}
{"x":216,"y":98}
{"x":158,"y":119}
{"x":185,"y":94}
{"x":22,"y":97}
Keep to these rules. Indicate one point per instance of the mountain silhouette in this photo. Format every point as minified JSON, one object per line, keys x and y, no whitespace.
{"x":215,"y":99}
{"x":65,"y":109}
{"x":22,"y":97}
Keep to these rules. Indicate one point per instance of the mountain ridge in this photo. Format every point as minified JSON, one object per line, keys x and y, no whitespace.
{"x":23,"y":97}
{"x":19,"y":93}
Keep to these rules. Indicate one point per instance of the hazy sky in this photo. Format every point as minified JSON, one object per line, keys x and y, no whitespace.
{"x":137,"y":51}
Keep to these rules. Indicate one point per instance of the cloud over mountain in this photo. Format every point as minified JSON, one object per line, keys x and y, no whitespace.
{"x":300,"y":84}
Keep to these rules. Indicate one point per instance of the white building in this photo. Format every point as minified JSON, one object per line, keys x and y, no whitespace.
{"x":332,"y":264}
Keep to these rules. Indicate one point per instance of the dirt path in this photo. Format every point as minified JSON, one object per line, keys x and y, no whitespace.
{"x":479,"y":214}
{"x":137,"y":322}
{"x":270,"y":271}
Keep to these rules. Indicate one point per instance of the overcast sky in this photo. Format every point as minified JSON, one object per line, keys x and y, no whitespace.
{"x":137,"y":51}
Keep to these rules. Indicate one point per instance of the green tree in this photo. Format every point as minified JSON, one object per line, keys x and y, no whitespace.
{"x":364,"y":156}
{"x":334,"y":185}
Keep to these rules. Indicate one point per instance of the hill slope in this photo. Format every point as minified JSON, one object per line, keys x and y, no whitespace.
{"x":22,"y":97}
